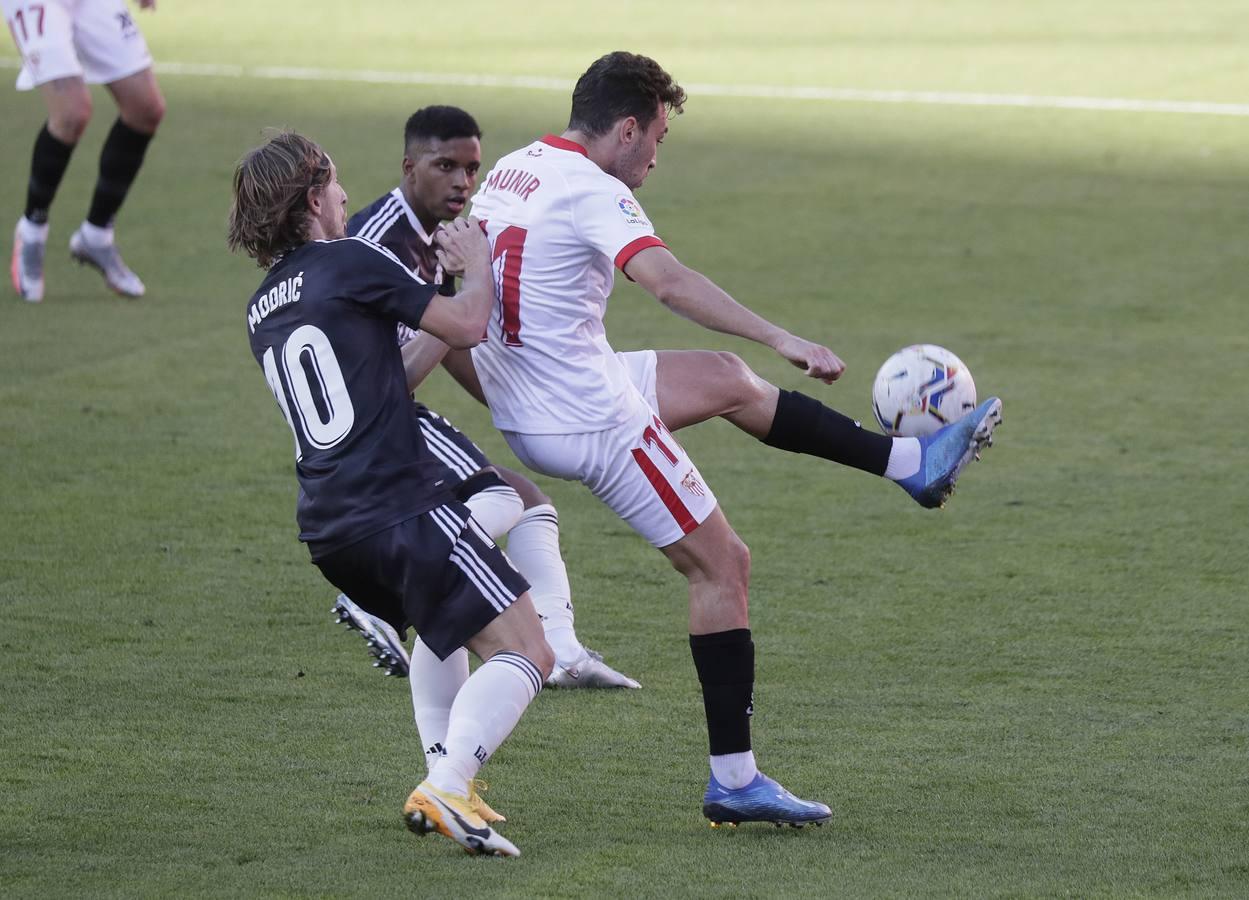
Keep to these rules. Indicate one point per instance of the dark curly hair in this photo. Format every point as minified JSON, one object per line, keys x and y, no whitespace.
{"x":269,"y":212}
{"x":618,"y":85}
{"x":443,"y":123}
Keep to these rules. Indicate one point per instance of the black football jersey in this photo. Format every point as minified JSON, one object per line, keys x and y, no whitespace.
{"x":389,"y":221}
{"x":322,"y":327}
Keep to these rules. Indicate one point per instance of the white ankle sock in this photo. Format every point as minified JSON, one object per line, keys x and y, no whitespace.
{"x":533,"y":546}
{"x":734,"y":770}
{"x":31,"y":233}
{"x":563,"y":642}
{"x":904,"y":458}
{"x":485,"y":711}
{"x":96,"y":236}
{"x":434,"y":684}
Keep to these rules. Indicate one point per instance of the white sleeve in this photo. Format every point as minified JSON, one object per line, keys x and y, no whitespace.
{"x":609,"y":218}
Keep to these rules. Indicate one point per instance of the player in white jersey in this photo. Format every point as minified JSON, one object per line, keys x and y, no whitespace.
{"x":442,"y":156}
{"x":66,"y":44}
{"x":561,"y":215}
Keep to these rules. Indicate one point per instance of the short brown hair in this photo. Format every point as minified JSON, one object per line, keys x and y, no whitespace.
{"x":269,"y":212}
{"x":619,"y":85}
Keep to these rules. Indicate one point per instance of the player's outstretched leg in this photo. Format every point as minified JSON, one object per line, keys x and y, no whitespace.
{"x":945,"y":453}
{"x":695,"y":385}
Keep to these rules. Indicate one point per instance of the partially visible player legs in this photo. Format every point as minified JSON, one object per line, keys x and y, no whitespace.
{"x":533,"y":546}
{"x":141,"y":108}
{"x":434,"y":684}
{"x":717,"y":566}
{"x":692,"y":386}
{"x":647,"y":479}
{"x":505,"y":502}
{"x":484,"y":712}
{"x":69,"y":110}
{"x":439,"y":572}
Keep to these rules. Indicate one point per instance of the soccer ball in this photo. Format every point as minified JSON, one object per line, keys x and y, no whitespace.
{"x":920,"y":389}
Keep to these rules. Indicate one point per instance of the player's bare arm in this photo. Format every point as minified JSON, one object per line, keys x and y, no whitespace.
{"x":460,"y":321}
{"x":696,"y":297}
{"x":421,"y":355}
{"x":459,"y":365}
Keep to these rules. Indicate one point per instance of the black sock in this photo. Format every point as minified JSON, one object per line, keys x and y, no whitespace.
{"x":119,"y":164}
{"x":805,"y":425}
{"x":726,"y":668}
{"x":48,"y":163}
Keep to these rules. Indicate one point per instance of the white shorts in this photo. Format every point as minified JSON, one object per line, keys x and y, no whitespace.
{"x":95,"y":40}
{"x":638,"y":468}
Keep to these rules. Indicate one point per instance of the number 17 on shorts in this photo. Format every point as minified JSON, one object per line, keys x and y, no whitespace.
{"x":678,"y":500}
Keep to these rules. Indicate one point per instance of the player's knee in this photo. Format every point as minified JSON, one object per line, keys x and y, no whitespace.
{"x":153,"y":114}
{"x":736,"y":563}
{"x":145,"y":115}
{"x":737,"y":378}
{"x":68,"y":122}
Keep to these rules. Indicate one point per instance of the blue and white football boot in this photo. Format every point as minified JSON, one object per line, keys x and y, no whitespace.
{"x":944,"y":453}
{"x":763,"y":800}
{"x":383,"y":642}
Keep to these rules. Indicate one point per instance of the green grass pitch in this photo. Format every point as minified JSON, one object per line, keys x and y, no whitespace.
{"x":1042,"y":690}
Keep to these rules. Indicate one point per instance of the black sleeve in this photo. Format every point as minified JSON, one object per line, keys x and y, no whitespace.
{"x":378,"y":281}
{"x":447,"y":288}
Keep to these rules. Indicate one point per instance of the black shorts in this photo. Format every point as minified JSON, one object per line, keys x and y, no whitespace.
{"x":437,"y":572}
{"x":461,"y":457}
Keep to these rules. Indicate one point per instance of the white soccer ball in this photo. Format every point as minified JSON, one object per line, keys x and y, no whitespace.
{"x":920,"y":389}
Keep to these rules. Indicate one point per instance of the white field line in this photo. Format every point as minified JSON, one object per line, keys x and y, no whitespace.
{"x":741,"y":91}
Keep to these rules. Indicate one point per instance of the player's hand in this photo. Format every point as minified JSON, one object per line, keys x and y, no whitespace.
{"x":462,"y":243}
{"x":818,"y":362}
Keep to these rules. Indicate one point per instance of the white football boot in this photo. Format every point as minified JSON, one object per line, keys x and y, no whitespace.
{"x":589,"y":671}
{"x":383,"y":641}
{"x":26,"y":266}
{"x":107,"y":261}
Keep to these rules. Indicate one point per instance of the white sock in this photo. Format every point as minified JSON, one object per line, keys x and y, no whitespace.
{"x":31,"y":233}
{"x":533,"y":547}
{"x":496,"y":509}
{"x":485,"y":711}
{"x":562,"y":640}
{"x":95,"y":236}
{"x":434,"y":684}
{"x":904,"y":458}
{"x":734,"y":770}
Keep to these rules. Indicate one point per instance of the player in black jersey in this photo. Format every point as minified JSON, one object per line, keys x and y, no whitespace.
{"x":442,"y":156}
{"x":378,"y":517}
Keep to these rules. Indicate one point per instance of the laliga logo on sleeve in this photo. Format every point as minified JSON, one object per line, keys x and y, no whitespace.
{"x":631,"y":211}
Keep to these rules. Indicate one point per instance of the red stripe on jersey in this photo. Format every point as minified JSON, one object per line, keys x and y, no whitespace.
{"x":564,"y":144}
{"x":665,"y":491}
{"x":632,"y":249}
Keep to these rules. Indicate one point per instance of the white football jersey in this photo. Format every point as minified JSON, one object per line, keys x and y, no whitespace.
{"x":558,"y":224}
